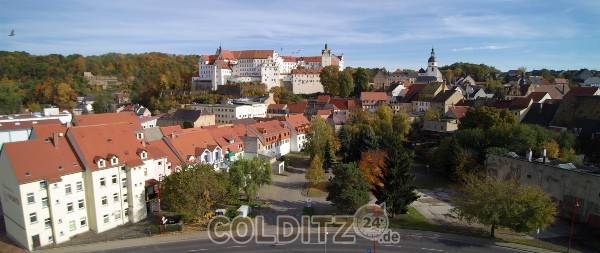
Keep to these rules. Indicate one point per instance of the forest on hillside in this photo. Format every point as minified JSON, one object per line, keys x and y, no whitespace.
{"x":27,"y":81}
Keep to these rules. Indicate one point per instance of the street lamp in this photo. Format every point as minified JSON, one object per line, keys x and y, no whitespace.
{"x":573,"y":223}
{"x":326,"y":233}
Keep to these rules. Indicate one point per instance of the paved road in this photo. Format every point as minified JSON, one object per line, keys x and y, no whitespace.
{"x":408,"y":244}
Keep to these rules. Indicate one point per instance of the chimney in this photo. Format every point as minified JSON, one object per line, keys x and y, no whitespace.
{"x":55,"y":139}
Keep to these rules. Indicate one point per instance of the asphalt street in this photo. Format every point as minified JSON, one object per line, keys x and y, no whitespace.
{"x":407,"y":244}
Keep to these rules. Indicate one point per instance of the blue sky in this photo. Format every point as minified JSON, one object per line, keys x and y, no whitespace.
{"x":506,"y":34}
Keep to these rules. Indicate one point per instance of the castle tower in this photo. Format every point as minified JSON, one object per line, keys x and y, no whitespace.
{"x":325,"y":57}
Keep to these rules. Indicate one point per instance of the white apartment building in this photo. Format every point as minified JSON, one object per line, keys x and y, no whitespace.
{"x":117,"y":166}
{"x":267,"y":138}
{"x":265,"y":66}
{"x":299,"y":126}
{"x":227,"y":113}
{"x":43,"y":192}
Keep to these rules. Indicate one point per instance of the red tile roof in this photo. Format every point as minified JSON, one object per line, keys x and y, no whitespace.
{"x":459,"y":111}
{"x":276,"y":106}
{"x":588,"y":91}
{"x":227,"y":138}
{"x":255,"y":54}
{"x":323,"y":112}
{"x":372,"y":98}
{"x":108,"y":118}
{"x":297,"y":107}
{"x":192,"y":143}
{"x":345,"y":103}
{"x":101,"y":141}
{"x":323,"y":99}
{"x":552,"y":90}
{"x":520,"y":103}
{"x":159,"y":148}
{"x":49,"y":162}
{"x":270,"y":131}
{"x":537,"y":96}
{"x":289,"y":58}
{"x":298,"y":122}
{"x":47,"y":131}
{"x":5,"y":126}
{"x":306,"y":71}
{"x":229,"y":55}
{"x":312,"y":58}
{"x":561,"y":81}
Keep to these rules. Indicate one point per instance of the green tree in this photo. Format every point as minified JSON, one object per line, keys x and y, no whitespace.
{"x":330,"y":80}
{"x":383,"y":119}
{"x":10,"y":97}
{"x":485,"y":117}
{"x":346,"y":83}
{"x":431,"y":114}
{"x":401,"y":123}
{"x":398,"y":190}
{"x":315,"y":174}
{"x":361,"y":81}
{"x":194,"y":190}
{"x":504,"y":203}
{"x":321,"y":141}
{"x":248,"y":176}
{"x":348,"y":190}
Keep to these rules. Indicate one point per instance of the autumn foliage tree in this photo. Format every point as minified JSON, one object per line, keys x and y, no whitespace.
{"x":315,"y":173}
{"x":371,"y":164}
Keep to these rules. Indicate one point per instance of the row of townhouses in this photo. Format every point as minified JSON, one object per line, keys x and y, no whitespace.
{"x":99,"y":173}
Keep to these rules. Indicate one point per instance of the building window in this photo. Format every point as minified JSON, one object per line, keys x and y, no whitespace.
{"x":43,"y":185}
{"x":50,"y":238}
{"x":70,"y":207}
{"x":104,"y":201}
{"x":72,"y":225}
{"x":118,"y":215}
{"x":47,"y":223}
{"x":116,"y":197}
{"x":145,"y":172}
{"x":124,"y":182}
{"x":102,"y":182}
{"x":80,"y":204}
{"x":114,"y":161}
{"x":105,"y":218}
{"x":125,"y":198}
{"x":122,"y":169}
{"x":30,"y":198}
{"x":114,"y":179}
{"x":44,"y":202}
{"x":68,"y":189}
{"x":101,"y":163}
{"x":79,"y":186}
{"x":33,"y":217}
{"x":82,"y":222}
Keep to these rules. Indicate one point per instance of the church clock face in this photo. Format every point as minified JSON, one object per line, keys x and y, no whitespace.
{"x":370,"y":221}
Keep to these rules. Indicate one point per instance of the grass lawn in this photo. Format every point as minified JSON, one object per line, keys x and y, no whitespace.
{"x":413,"y":220}
{"x":319,"y":190}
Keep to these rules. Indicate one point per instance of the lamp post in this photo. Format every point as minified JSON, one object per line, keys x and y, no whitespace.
{"x":160,"y":218}
{"x":573,"y":223}
{"x":326,"y":233}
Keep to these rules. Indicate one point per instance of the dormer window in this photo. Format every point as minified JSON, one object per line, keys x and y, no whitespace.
{"x":101,"y":163}
{"x":114,"y":160}
{"x":144,"y":155}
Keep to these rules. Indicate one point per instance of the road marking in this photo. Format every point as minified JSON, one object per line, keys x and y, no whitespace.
{"x":236,"y":246}
{"x":193,"y":250}
{"x":431,"y":249}
{"x":389,"y":245}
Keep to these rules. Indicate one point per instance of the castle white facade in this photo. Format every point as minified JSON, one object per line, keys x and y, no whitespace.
{"x":265,"y":66}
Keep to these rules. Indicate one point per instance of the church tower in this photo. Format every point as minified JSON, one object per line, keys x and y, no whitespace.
{"x":325,"y":57}
{"x":432,"y":63}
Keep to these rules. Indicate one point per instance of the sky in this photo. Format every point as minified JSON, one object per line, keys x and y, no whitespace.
{"x":506,"y":34}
